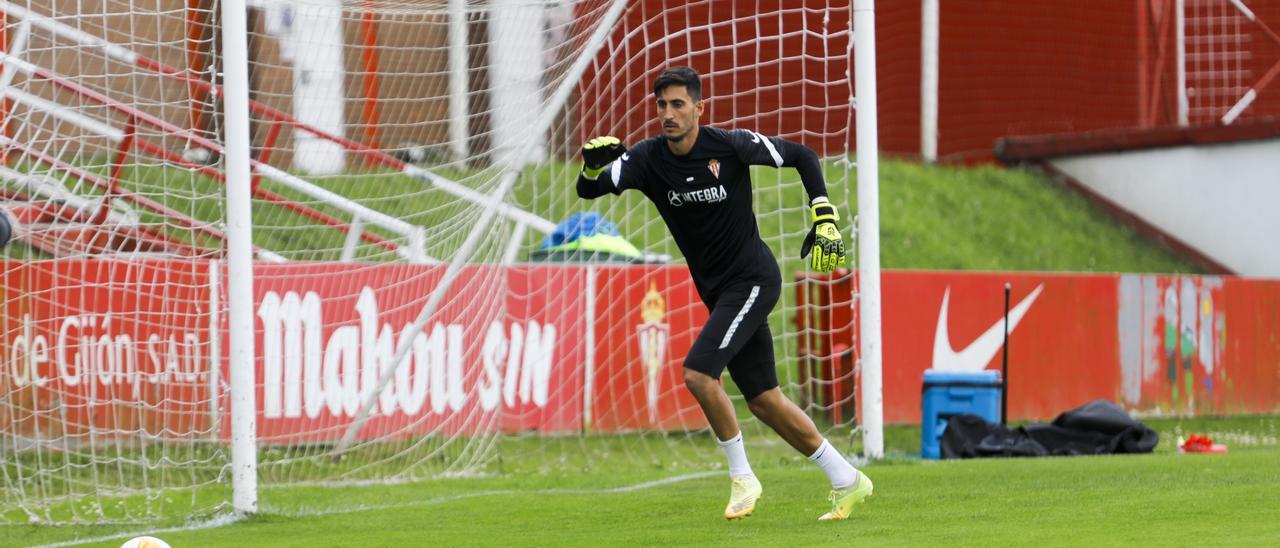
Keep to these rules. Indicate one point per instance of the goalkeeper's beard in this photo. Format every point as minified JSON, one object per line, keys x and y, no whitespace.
{"x":678,"y":137}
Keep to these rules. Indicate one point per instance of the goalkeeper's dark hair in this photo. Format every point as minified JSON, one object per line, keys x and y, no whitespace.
{"x":679,"y":76}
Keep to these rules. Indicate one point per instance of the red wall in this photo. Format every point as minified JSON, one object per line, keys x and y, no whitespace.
{"x":1007,"y":68}
{"x":1153,"y":343}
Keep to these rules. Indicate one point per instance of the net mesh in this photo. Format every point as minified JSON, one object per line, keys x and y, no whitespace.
{"x":1008,"y":68}
{"x":1220,"y":68}
{"x":407,"y":155}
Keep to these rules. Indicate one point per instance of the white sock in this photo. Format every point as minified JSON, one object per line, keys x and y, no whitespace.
{"x":838,"y":470}
{"x":736,"y":452}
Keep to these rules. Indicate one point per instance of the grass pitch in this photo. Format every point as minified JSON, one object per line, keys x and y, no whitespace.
{"x":658,"y":489}
{"x":1158,"y":499}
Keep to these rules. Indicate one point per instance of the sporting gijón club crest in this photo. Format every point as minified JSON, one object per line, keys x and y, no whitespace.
{"x":714,"y":166}
{"x":653,"y":334}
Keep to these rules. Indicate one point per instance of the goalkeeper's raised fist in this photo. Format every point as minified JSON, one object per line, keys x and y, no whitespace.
{"x":599,"y":153}
{"x":824,"y":239}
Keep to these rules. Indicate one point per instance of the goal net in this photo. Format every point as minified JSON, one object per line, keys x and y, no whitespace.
{"x":422,"y":307}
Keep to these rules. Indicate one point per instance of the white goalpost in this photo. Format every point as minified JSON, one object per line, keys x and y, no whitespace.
{"x":234,"y":277}
{"x":242,"y":357}
{"x":868,"y":228}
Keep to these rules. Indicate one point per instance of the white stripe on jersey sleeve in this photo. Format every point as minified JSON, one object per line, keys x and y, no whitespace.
{"x":758,"y":138}
{"x":615,"y":172}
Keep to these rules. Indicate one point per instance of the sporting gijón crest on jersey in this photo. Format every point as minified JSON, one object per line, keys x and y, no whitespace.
{"x":705,"y":198}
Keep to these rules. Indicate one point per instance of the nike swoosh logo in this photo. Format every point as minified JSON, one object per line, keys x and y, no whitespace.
{"x":979,"y":353}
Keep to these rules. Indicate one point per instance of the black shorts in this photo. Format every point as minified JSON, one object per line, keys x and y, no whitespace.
{"x":737,"y":336}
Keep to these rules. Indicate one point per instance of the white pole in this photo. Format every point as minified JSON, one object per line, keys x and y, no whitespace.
{"x":1239,"y":107}
{"x":516,"y":46}
{"x":1180,"y":65}
{"x":929,"y":81}
{"x":352,"y":241}
{"x":318,"y":89}
{"x":244,"y":456}
{"x":458,"y":79}
{"x":215,"y":347}
{"x":864,"y":49}
{"x":589,"y":356}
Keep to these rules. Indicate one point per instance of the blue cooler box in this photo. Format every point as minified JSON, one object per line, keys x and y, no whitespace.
{"x":946,"y":394}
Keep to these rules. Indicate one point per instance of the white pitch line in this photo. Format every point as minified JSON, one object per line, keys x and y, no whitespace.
{"x":211,"y":524}
{"x":664,"y":481}
{"x":451,"y":498}
{"x":230,"y":519}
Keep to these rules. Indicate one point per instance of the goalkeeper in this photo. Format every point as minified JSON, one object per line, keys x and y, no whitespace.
{"x":700,"y":181}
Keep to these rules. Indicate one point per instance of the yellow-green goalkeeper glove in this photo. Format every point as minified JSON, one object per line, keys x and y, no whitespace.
{"x":824,"y":239}
{"x":598,"y":153}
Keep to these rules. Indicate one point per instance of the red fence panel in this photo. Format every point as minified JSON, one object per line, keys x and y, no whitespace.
{"x":126,"y":344}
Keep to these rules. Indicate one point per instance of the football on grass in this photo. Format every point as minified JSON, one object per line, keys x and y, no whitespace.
{"x":145,"y":542}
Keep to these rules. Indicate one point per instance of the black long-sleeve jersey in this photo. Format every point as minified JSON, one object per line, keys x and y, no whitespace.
{"x":705,"y":199}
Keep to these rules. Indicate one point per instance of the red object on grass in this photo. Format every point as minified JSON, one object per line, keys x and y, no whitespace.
{"x":1201,"y":444}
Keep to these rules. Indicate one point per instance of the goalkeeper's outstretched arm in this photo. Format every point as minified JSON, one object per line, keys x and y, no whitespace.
{"x":823,"y":241}
{"x":823,"y":245}
{"x":759,"y":150}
